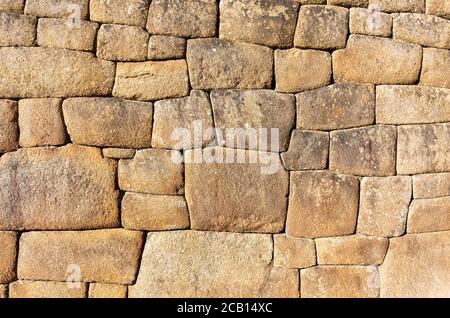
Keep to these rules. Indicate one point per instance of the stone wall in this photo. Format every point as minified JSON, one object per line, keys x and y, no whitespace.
{"x":113,"y":182}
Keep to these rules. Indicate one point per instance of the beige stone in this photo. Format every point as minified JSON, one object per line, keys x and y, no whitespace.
{"x":8,"y":255}
{"x":431,"y":185}
{"x":349,"y":3}
{"x":293,"y":252}
{"x":351,"y":250}
{"x":118,"y":153}
{"x":179,"y":264}
{"x":71,"y":187}
{"x":250,"y":111}
{"x":340,"y":282}
{"x":429,"y":215}
{"x":384,"y":206}
{"x":98,"y":290}
{"x":154,"y":171}
{"x":321,"y":27}
{"x":417,"y":266}
{"x":265,"y":22}
{"x":149,"y":81}
{"x":43,"y":289}
{"x":370,"y":22}
{"x":300,"y":70}
{"x":423,"y":149}
{"x":41,"y":122}
{"x":108,"y":122}
{"x":322,"y":204}
{"x":336,"y":106}
{"x":398,"y":5}
{"x":17,"y":29}
{"x":3,"y":291}
{"x":435,"y":68}
{"x":216,"y":64}
{"x":12,"y":5}
{"x":9,"y":130}
{"x":154,"y":212}
{"x":102,"y":256}
{"x":222,"y":196}
{"x":53,"y":73}
{"x":74,"y":9}
{"x":166,"y":47}
{"x":438,"y":7}
{"x":129,"y":12}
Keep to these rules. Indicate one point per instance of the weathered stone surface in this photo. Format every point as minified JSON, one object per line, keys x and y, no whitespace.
{"x":129,"y":12}
{"x":435,"y":68}
{"x":216,"y":64}
{"x":222,"y":196}
{"x":439,"y":8}
{"x":321,"y":27}
{"x":103,"y":256}
{"x":412,"y":105}
{"x":431,"y":185}
{"x":166,"y":47}
{"x":118,"y":153}
{"x":398,"y":5}
{"x":97,"y":290}
{"x":151,"y":81}
{"x":384,"y":206}
{"x":179,"y":264}
{"x":74,"y":9}
{"x":425,"y":30}
{"x":423,"y":149}
{"x":378,"y":61}
{"x":41,"y":122}
{"x":192,"y":113}
{"x":253,"y":109}
{"x":349,"y":3}
{"x":70,"y":187}
{"x":154,"y":212}
{"x":42,"y":289}
{"x":8,"y":255}
{"x":122,"y":43}
{"x":322,"y":204}
{"x":12,"y":5}
{"x":368,"y":151}
{"x":351,"y":250}
{"x":59,"y":33}
{"x":312,"y":1}
{"x":9,"y":131}
{"x":108,"y":122}
{"x":153,"y":171}
{"x":293,"y":252}
{"x":299,"y":70}
{"x":340,"y":282}
{"x":3,"y":291}
{"x":308,"y":150}
{"x":17,"y":29}
{"x":417,"y":266}
{"x":370,"y":22}
{"x":336,"y":106}
{"x":429,"y":215}
{"x":53,"y":73}
{"x":188,"y":19}
{"x":266,"y":22}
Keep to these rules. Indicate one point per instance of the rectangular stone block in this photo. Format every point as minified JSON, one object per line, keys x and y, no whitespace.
{"x":166,"y":47}
{"x":439,"y":8}
{"x":435,"y":68}
{"x":431,"y":185}
{"x":9,"y":130}
{"x":12,"y":5}
{"x":370,"y":22}
{"x":128,"y":12}
{"x":429,"y":215}
{"x":99,"y":290}
{"x":293,"y":252}
{"x":17,"y":29}
{"x":42,"y":289}
{"x":8,"y":256}
{"x":71,"y":9}
{"x":392,"y":6}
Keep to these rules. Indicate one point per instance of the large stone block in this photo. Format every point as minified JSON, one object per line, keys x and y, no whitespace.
{"x":72,"y":9}
{"x":9,"y":130}
{"x":393,"y":6}
{"x":42,"y":289}
{"x":431,"y":185}
{"x":435,"y":68}
{"x":17,"y":29}
{"x":8,"y":257}
{"x":128,"y":12}
{"x":429,"y":215}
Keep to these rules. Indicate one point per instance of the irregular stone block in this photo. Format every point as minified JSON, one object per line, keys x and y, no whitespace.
{"x":435,"y":68}
{"x":293,"y":252}
{"x":179,"y":264}
{"x":118,"y":153}
{"x":392,"y":6}
{"x":431,"y":185}
{"x":368,"y":151}
{"x":439,"y":8}
{"x":9,"y":130}
{"x":17,"y":29}
{"x":370,"y":22}
{"x":349,"y":3}
{"x":67,"y":188}
{"x":98,"y":290}
{"x":108,"y":122}
{"x":128,"y":12}
{"x":53,"y":255}
{"x":165,"y":47}
{"x":72,"y":9}
{"x":265,"y":22}
{"x":322,"y":204}
{"x":429,"y":215}
{"x":336,"y":106}
{"x":3,"y":291}
{"x":216,"y":64}
{"x":42,"y":289}
{"x":8,"y":256}
{"x":12,"y":5}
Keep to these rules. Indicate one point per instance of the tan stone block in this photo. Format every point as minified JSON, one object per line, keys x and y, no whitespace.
{"x":417,"y":265}
{"x":368,"y":151}
{"x":118,"y":153}
{"x":71,"y":187}
{"x":98,"y":290}
{"x":435,"y":68}
{"x":300,"y":70}
{"x":154,"y":171}
{"x":322,"y":204}
{"x":336,"y":106}
{"x":72,"y":9}
{"x":349,"y":3}
{"x":149,"y":81}
{"x":3,"y":291}
{"x":166,"y":47}
{"x":129,"y":12}
{"x":398,"y":5}
{"x":179,"y":264}
{"x":12,"y":5}
{"x":216,"y":64}
{"x":8,"y":255}
{"x":340,"y":282}
{"x":102,"y":256}
{"x":43,"y":289}
{"x":378,"y":61}
{"x":384,"y":206}
{"x":429,"y":215}
{"x":370,"y":22}
{"x":293,"y":252}
{"x":439,"y":8}
{"x":431,"y":185}
{"x":154,"y":212}
{"x":9,"y":131}
{"x":108,"y":122}
{"x":17,"y":29}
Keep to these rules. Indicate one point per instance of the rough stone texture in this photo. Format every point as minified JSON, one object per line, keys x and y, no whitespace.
{"x":216,"y":64}
{"x":129,"y":12}
{"x":179,"y":264}
{"x":349,"y":3}
{"x":75,"y":9}
{"x":166,"y":47}
{"x":312,"y":1}
{"x":42,"y":289}
{"x":336,"y":106}
{"x":12,"y":5}
{"x":108,"y":122}
{"x":151,"y":81}
{"x":70,"y":187}
{"x":367,"y":151}
{"x":17,"y":29}
{"x":417,"y":266}
{"x":97,"y":290}
{"x":398,"y":5}
{"x":423,"y":149}
{"x":265,"y":22}
{"x":431,"y":185}
{"x":9,"y":131}
{"x":293,"y":252}
{"x":370,"y":22}
{"x":429,"y":215}
{"x":435,"y":68}
{"x":377,"y":61}
{"x":154,"y":212}
{"x":118,"y":153}
{"x":384,"y":206}
{"x":3,"y":291}
{"x":439,"y":8}
{"x":215,"y":201}
{"x":47,"y":255}
{"x":8,"y":255}
{"x":299,"y":70}
{"x":322,"y":204}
